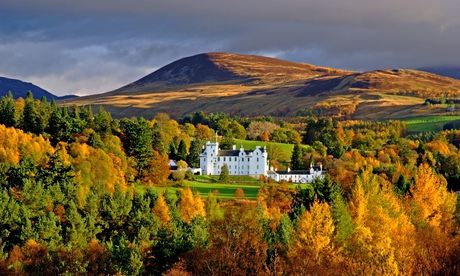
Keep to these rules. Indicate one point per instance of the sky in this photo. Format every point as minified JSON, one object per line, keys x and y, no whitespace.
{"x":92,"y":46}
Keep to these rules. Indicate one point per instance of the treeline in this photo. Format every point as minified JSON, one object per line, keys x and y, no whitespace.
{"x":83,"y":199}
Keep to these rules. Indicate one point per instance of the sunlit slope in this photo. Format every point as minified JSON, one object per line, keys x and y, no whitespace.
{"x":255,"y":85}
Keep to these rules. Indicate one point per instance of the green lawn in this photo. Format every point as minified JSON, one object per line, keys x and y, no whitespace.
{"x":428,"y":123}
{"x":205,"y":184}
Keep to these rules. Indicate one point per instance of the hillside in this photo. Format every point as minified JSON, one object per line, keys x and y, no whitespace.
{"x":19,"y":89}
{"x":254,"y":85}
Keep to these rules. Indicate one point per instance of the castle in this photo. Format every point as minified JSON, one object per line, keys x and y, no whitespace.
{"x":252,"y":163}
{"x":239,"y":162}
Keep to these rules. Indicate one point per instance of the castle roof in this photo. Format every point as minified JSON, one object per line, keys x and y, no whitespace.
{"x":228,"y":153}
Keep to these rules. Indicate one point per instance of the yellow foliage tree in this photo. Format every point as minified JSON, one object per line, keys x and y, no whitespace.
{"x":161,"y":210}
{"x":313,"y":248}
{"x":191,"y":206}
{"x":434,"y":204}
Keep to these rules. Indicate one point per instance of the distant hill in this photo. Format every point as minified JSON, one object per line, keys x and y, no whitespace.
{"x":20,"y":89}
{"x":448,"y":71}
{"x":254,"y":85}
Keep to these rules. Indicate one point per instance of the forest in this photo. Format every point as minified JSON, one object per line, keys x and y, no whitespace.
{"x":70,"y":201}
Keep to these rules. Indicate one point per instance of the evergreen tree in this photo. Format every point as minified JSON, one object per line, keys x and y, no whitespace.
{"x":8,"y":110}
{"x":193,"y":158}
{"x":296,"y":158}
{"x":137,"y":142}
{"x":29,"y":115}
{"x":182,"y":151}
{"x":402,"y":186}
{"x":172,"y":152}
{"x":103,"y":122}
{"x":224,"y":174}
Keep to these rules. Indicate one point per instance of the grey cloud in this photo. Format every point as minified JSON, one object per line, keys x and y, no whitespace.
{"x":95,"y":46}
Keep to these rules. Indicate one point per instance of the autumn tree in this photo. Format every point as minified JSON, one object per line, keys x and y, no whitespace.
{"x":313,"y":246}
{"x":157,"y":169}
{"x":191,"y":206}
{"x":161,"y":210}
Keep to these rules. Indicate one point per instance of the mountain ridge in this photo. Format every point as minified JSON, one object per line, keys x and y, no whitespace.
{"x":253,"y":85}
{"x":20,"y":88}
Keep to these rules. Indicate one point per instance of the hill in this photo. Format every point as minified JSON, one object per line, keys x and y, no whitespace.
{"x":254,"y":85}
{"x":19,"y":89}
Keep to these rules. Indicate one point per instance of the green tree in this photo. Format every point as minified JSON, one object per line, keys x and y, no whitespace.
{"x":103,"y":122}
{"x":137,"y":141}
{"x":8,"y":110}
{"x":182,"y":151}
{"x":193,"y":158}
{"x":29,"y":114}
{"x":224,"y":174}
{"x":296,"y":158}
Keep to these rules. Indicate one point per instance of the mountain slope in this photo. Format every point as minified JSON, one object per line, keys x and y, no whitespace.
{"x":228,"y":68}
{"x":19,"y":89}
{"x":254,"y":85}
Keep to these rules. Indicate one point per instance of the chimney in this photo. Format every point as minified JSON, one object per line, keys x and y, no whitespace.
{"x":320,"y":167}
{"x":288,"y":169}
{"x":234,"y":147}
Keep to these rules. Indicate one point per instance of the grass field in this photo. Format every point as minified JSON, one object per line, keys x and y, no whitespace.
{"x":428,"y":123}
{"x":206,"y":184}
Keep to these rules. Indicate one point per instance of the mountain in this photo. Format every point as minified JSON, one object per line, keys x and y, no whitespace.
{"x":448,"y":71}
{"x":252,"y":85}
{"x":20,"y":89}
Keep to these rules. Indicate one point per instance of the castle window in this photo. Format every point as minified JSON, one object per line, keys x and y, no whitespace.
{"x":257,"y":159}
{"x":218,"y":158}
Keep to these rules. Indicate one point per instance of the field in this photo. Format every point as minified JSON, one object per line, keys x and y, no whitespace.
{"x":206,"y":184}
{"x":428,"y":123}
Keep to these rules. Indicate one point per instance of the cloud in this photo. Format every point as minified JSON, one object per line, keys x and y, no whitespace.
{"x":96,"y":46}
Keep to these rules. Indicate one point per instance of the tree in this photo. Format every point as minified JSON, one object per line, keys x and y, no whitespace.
{"x":103,"y":122}
{"x":435,"y":204}
{"x":161,"y":210}
{"x":190,"y":206}
{"x":29,"y":115}
{"x":157,"y":169}
{"x":259,"y":129}
{"x":204,"y":133}
{"x":182,"y":151}
{"x":193,"y":158}
{"x":296,"y":158}
{"x":224,"y":174}
{"x":172,"y":151}
{"x":239,"y":193}
{"x":8,"y":110}
{"x":314,"y":241}
{"x":137,"y":141}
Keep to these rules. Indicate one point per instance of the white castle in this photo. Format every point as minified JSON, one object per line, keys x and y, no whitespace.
{"x":252,"y":163}
{"x":239,"y":162}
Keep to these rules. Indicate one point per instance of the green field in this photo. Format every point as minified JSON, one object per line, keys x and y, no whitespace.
{"x":206,"y":184}
{"x":428,"y":123}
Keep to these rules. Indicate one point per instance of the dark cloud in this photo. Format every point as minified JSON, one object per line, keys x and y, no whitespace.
{"x":94,"y":46}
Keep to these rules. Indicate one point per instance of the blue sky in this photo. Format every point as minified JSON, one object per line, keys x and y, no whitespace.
{"x":86,"y":47}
